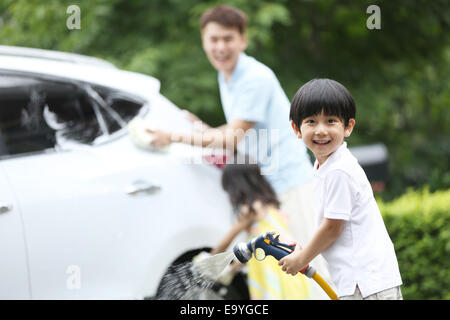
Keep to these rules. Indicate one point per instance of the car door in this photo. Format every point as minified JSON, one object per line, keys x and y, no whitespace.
{"x":87,"y":223}
{"x":82,"y":208}
{"x":99,"y":215}
{"x":14,"y":280}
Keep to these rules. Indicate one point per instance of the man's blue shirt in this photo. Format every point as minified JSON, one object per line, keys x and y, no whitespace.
{"x":253,"y":93}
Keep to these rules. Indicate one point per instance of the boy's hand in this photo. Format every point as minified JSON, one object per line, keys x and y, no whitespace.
{"x":292,"y":263}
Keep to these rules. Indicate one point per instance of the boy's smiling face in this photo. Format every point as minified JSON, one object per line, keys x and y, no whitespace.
{"x":323,"y":134}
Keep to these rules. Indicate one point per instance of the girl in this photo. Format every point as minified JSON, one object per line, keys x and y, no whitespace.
{"x":257,"y":207}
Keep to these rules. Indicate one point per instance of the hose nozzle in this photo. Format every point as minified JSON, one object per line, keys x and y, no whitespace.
{"x":242,"y":252}
{"x":269,"y":244}
{"x":266,"y":244}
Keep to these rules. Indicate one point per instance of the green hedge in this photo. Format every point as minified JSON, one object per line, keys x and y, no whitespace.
{"x":419,"y":225}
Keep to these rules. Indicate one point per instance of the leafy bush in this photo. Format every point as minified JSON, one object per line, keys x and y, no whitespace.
{"x":419,"y":225}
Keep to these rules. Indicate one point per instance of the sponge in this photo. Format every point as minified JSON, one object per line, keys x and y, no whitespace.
{"x":141,"y":138}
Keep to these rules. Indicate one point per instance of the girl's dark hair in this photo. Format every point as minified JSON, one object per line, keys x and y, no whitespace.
{"x":325,"y":95}
{"x":245,"y":184}
{"x":226,"y":16}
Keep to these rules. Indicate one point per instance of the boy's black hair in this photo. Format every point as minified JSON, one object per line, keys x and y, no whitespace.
{"x":319,"y":95}
{"x":245,"y":184}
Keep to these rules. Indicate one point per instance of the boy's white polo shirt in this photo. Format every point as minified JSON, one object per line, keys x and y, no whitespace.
{"x":363,"y":254}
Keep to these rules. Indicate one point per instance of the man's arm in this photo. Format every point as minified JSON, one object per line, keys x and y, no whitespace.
{"x":328,"y":231}
{"x":226,"y":136}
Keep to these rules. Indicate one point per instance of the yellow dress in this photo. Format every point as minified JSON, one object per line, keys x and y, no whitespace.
{"x":266,"y":280}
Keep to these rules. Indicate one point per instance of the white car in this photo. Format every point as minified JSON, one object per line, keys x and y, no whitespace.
{"x":84,"y":213}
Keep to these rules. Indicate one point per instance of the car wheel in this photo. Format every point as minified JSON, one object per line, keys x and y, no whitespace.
{"x":179,"y":283}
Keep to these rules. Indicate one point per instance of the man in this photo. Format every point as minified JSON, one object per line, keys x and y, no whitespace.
{"x":254,"y":104}
{"x":257,"y":113}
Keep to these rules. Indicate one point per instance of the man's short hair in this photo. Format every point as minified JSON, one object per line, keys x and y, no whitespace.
{"x":322,"y":95}
{"x":226,"y":16}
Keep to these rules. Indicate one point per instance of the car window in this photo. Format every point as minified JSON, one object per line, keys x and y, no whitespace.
{"x":38,"y":114}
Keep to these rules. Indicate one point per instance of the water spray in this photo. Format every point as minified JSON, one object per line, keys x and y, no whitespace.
{"x":269,"y":244}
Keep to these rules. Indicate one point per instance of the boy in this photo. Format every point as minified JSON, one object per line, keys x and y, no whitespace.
{"x":351,"y":235}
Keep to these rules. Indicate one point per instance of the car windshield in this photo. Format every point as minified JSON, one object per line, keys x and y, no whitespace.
{"x":39,"y":114}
